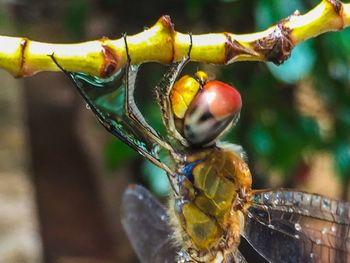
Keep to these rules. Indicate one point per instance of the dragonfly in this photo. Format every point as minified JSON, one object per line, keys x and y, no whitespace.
{"x":212,"y":204}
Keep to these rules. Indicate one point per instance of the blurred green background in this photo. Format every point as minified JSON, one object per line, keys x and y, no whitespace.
{"x":69,"y":174}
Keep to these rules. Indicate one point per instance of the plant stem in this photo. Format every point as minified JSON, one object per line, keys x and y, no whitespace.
{"x":161,"y":43}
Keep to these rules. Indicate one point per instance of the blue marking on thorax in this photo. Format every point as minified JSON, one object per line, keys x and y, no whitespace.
{"x":188,"y":168}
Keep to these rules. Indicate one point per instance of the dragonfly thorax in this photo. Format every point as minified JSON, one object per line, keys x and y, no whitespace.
{"x":213,"y":197}
{"x":203,"y":109}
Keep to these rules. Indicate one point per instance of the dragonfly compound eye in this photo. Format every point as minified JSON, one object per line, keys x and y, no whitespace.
{"x":213,"y":109}
{"x":204,"y":109}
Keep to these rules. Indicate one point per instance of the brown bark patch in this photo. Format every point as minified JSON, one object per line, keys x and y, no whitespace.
{"x":277,"y":46}
{"x":339,"y":10}
{"x":233,"y":49}
{"x":23,"y":46}
{"x":336,"y":4}
{"x":165,"y":20}
{"x":110,"y":63}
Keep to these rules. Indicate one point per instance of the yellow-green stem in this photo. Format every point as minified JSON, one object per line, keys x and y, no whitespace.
{"x":161,"y":43}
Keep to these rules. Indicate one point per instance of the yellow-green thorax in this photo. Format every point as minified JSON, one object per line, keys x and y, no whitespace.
{"x":214,"y":199}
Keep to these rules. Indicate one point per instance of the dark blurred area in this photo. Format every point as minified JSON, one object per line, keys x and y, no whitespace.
{"x":62,"y":175}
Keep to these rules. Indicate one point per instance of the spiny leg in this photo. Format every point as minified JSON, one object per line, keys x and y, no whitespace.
{"x":132,"y":112}
{"x":131,"y":109}
{"x":164,"y":88}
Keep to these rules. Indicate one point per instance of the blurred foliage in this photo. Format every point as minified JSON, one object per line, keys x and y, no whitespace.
{"x":303,"y":56}
{"x":117,"y":153}
{"x":156,"y":179}
{"x":75,"y":18}
{"x":272,"y":129}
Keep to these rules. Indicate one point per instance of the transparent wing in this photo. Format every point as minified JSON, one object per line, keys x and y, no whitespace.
{"x":290,"y":226}
{"x":106,"y":98}
{"x":235,"y":257}
{"x":145,"y":222}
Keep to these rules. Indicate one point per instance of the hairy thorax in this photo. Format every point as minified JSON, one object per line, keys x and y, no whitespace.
{"x":207,"y":214}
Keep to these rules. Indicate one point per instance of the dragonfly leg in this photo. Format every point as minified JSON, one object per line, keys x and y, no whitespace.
{"x":133,"y":113}
{"x":164,"y":88}
{"x":131,"y":109}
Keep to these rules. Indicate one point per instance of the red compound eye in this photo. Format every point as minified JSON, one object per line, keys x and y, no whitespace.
{"x":212,"y":110}
{"x":223,"y":99}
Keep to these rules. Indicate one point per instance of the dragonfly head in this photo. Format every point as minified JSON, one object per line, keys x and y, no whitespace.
{"x":203,"y":109}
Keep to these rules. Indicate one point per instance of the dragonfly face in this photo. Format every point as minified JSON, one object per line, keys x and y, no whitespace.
{"x":212,"y":203}
{"x":203,"y":109}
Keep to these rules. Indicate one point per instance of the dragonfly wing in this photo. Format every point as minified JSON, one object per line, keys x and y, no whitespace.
{"x":236,"y":257}
{"x":290,"y":226}
{"x":106,"y":99}
{"x":145,"y":222}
